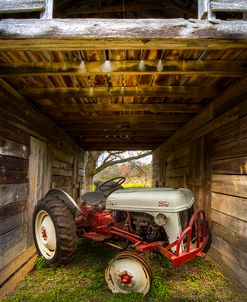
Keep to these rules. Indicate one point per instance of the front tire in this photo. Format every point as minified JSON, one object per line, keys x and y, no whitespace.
{"x":128,"y":272}
{"x":54,"y":231}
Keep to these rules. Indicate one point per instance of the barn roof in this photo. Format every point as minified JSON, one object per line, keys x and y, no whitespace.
{"x":121,"y":84}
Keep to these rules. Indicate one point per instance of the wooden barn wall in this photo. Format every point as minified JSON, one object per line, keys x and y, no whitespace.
{"x":31,"y":163}
{"x":214,"y":166}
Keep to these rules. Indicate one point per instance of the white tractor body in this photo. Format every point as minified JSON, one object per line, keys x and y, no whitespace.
{"x":164,"y":204}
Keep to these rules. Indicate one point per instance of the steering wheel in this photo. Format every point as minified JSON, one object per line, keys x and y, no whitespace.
{"x":112,"y":184}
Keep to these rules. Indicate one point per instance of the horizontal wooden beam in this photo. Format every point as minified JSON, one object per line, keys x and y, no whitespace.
{"x":165,"y":118}
{"x":157,"y":91}
{"x":183,"y":108}
{"x":229,"y":5}
{"x":115,"y":132}
{"x":21,"y":6}
{"x":118,"y":146}
{"x":122,"y":126}
{"x":188,"y":67}
{"x":77,"y":34}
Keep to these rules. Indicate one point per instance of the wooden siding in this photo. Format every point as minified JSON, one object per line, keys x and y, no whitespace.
{"x":212,"y":161}
{"x":28,"y":168}
{"x":14,"y":153}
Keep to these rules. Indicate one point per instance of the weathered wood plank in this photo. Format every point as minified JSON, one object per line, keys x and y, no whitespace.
{"x":62,"y":156}
{"x":13,"y":177}
{"x":12,"y":163}
{"x":20,"y":275}
{"x":178,"y":182}
{"x":21,"y":6}
{"x":229,"y":268}
{"x":11,"y":238}
{"x":229,"y":5}
{"x":231,"y":97}
{"x":230,"y":166}
{"x":133,"y":117}
{"x":234,"y":238}
{"x":180,"y":152}
{"x":233,"y":131}
{"x":61,"y":165}
{"x":233,"y":149}
{"x":10,"y":269}
{"x":47,"y":13}
{"x":182,"y":108}
{"x":39,"y":178}
{"x":10,"y":223}
{"x":22,"y":115}
{"x":13,"y":252}
{"x":14,"y":134}
{"x":229,"y":222}
{"x":234,"y":185}
{"x":13,"y":193}
{"x":230,"y":251}
{"x":61,"y":181}
{"x":117,"y":34}
{"x":230,"y":205}
{"x":178,"y":163}
{"x":117,"y":125}
{"x":10,"y":148}
{"x":178,"y":172}
{"x":165,"y":91}
{"x":61,"y":172}
{"x":188,"y":67}
{"x":111,"y":133}
{"x":204,"y":10}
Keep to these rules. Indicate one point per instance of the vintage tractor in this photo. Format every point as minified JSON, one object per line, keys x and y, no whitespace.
{"x":135,"y":221}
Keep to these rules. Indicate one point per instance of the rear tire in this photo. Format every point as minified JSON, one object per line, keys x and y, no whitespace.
{"x":54,"y":231}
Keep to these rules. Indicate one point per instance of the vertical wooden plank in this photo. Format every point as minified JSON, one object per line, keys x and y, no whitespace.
{"x":48,"y":12}
{"x":39,"y":177}
{"x":204,"y":10}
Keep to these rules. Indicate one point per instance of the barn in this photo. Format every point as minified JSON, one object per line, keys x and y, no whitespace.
{"x":167,"y":76}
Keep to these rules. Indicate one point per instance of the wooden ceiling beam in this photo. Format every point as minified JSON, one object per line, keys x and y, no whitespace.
{"x":166,"y":118}
{"x":155,"y":91}
{"x":68,"y":34}
{"x":92,"y":107}
{"x":111,"y":133}
{"x":122,"y":126}
{"x":187,"y":67}
{"x":117,"y":146}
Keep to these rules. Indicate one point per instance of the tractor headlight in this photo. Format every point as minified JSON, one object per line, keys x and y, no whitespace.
{"x":161,"y":219}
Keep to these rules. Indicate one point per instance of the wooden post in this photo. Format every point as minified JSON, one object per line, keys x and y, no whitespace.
{"x":204,"y":10}
{"x":48,"y":12}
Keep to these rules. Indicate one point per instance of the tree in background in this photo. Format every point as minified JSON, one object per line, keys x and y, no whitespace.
{"x":97,"y":161}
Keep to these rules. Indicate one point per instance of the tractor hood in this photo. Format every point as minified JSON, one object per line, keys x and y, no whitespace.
{"x":167,"y":200}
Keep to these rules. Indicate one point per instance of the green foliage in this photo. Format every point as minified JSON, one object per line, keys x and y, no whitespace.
{"x":83,"y":280}
{"x":40,"y":262}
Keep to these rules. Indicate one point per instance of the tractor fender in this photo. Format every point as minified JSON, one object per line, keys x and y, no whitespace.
{"x":67,"y":199}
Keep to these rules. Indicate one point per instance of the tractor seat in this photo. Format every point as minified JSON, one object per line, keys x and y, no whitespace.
{"x":94,"y":198}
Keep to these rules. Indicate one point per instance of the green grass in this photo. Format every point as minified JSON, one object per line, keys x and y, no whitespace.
{"x":83,"y":280}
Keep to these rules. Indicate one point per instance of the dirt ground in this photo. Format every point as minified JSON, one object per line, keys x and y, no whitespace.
{"x":83,"y":280}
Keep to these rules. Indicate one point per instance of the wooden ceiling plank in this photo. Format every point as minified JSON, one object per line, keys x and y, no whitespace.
{"x":68,"y":34}
{"x":115,"y":132}
{"x":187,"y":67}
{"x":183,"y":108}
{"x":166,"y":118}
{"x":157,"y":91}
{"x":122,"y":126}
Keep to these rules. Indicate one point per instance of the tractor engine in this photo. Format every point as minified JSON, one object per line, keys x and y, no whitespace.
{"x":145,"y":226}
